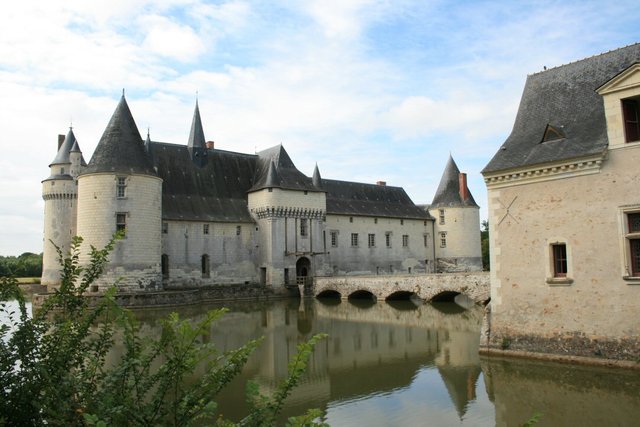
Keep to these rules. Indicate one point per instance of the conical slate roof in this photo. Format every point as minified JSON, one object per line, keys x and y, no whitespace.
{"x":62,"y":157}
{"x":448,"y":192}
{"x":289,"y":176}
{"x":120,"y":148}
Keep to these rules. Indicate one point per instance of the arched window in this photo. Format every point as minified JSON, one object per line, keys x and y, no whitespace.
{"x":165,"y":265}
{"x":206,"y":272}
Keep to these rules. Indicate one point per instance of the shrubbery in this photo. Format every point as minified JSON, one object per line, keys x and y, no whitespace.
{"x":54,"y":370}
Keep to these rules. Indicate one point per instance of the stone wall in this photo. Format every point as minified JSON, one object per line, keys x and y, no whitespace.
{"x":462,"y":251}
{"x":346,"y":259}
{"x":596,"y":302}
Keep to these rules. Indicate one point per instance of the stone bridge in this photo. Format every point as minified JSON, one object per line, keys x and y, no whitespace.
{"x":428,"y":287}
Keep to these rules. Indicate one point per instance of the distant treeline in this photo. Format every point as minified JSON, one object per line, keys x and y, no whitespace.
{"x":26,"y":265}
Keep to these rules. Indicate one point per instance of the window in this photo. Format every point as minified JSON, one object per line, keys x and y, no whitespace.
{"x":631,"y":114}
{"x":559,"y":253}
{"x":372,"y":240}
{"x":375,"y":220}
{"x":387,"y":239}
{"x":121,"y":222}
{"x":425,"y":238}
{"x":350,"y":219}
{"x":165,"y":265}
{"x":354,"y":239}
{"x":402,"y":222}
{"x":633,"y":236}
{"x":61,"y":171}
{"x":165,"y":227}
{"x":405,"y":240}
{"x":121,"y":187}
{"x":334,"y":239}
{"x":205,"y":228}
{"x":303,"y":227}
{"x":443,"y":239}
{"x":441,"y":215}
{"x":238,"y":230}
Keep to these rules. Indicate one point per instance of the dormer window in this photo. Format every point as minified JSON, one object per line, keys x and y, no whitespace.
{"x":552,"y":133}
{"x":630,"y":113}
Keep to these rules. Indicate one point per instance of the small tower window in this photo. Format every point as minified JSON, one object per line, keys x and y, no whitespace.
{"x":121,"y":187}
{"x":206,"y":271}
{"x":405,"y":240}
{"x":304,"y":229}
{"x":238,"y":230}
{"x":441,"y":215}
{"x":121,"y":222}
{"x":443,"y":240}
{"x":205,"y":228}
{"x":61,"y":171}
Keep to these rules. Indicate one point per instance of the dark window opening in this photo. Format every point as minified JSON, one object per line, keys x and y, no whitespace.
{"x":121,"y":222}
{"x":165,"y":265}
{"x":634,"y":246}
{"x":552,"y":133}
{"x":630,"y":111}
{"x":559,"y":260}
{"x":206,"y":272}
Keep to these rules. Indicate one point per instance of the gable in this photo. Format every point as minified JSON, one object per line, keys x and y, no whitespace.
{"x":627,"y":79}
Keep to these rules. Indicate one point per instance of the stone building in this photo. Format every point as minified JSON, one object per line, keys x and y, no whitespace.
{"x":196,"y":215}
{"x":564,"y":213}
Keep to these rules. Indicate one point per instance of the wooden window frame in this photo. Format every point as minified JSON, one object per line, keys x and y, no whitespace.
{"x":560,"y":260}
{"x":631,"y":119}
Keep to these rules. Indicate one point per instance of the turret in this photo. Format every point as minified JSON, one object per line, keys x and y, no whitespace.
{"x":120,"y":190}
{"x":457,"y":225}
{"x":60,"y":194}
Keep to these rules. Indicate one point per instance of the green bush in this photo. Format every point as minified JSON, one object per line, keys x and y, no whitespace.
{"x":54,"y":370}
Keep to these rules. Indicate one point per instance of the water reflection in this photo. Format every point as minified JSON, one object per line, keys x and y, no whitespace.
{"x":375,"y":352}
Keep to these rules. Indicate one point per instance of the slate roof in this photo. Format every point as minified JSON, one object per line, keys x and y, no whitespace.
{"x":288,"y":176}
{"x":565,"y":98}
{"x":448,"y":192}
{"x":69,"y":145}
{"x":120,"y":148}
{"x":355,"y":198}
{"x":216,"y":191}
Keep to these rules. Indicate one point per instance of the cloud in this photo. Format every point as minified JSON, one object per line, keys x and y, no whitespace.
{"x":169,"y":39}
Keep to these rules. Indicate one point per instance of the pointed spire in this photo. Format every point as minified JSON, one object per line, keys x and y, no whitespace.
{"x":317,"y":179}
{"x":196,"y":136}
{"x":120,"y":148}
{"x":273,"y":179}
{"x":448,"y":192}
{"x":62,"y":157}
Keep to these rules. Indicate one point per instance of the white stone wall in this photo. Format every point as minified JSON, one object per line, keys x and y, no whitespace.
{"x":60,"y":210}
{"x":587,"y":214}
{"x":346,"y":259}
{"x":287,"y":198}
{"x":231,"y":255}
{"x":462,"y":227}
{"x":135,"y":259}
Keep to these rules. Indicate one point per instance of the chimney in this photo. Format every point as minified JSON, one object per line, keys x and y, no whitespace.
{"x":381,"y":183}
{"x":60,"y":141}
{"x":464,"y":191}
{"x":209,"y":145}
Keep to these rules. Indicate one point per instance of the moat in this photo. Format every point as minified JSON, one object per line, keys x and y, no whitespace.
{"x":401,"y":364}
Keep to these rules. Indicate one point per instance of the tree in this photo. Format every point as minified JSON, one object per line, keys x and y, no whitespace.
{"x":484,"y":242}
{"x":54,"y":370}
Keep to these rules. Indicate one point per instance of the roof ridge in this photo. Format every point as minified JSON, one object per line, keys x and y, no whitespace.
{"x":583,"y":59}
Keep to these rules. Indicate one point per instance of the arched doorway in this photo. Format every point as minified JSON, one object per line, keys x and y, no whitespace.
{"x":303,"y":271}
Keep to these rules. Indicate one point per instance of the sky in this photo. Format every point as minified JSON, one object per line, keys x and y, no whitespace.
{"x":369,"y":90}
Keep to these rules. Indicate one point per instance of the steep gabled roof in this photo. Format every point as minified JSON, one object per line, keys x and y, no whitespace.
{"x":355,"y":198}
{"x":448,"y":192}
{"x":120,"y":148}
{"x":289,"y":176}
{"x":564,"y":97}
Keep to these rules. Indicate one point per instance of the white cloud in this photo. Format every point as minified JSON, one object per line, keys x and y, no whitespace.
{"x":169,"y":39}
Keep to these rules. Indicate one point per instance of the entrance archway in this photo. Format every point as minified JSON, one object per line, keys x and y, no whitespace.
{"x":303,"y":270}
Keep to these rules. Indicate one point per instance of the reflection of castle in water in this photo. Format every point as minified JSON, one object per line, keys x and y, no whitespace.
{"x":369,"y":350}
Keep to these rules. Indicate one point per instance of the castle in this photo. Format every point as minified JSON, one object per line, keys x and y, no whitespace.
{"x":194,"y":215}
{"x":563,"y":195}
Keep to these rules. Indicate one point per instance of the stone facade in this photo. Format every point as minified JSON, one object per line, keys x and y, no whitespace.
{"x":564,"y":279}
{"x":195,"y":216}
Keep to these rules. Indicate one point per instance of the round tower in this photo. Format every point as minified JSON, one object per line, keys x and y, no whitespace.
{"x":60,"y":194}
{"x":120,"y":191}
{"x":457,"y":223}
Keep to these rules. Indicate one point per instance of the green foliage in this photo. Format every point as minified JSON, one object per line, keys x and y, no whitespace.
{"x":26,"y":265}
{"x":56,"y":367}
{"x":484,"y":243}
{"x":506,"y":343}
{"x":535,"y":419}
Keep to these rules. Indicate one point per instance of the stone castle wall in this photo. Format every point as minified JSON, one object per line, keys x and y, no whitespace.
{"x":462,"y":251}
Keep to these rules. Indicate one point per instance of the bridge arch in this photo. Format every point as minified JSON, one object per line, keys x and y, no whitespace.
{"x":362,"y":294}
{"x":329,"y":293}
{"x":444,"y":296}
{"x":401,"y":295}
